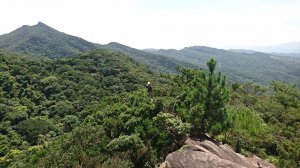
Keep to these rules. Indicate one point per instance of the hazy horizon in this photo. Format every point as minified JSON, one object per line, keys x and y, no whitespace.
{"x":163,"y":24}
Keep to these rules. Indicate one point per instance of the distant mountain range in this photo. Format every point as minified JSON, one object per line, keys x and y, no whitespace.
{"x":45,"y":41}
{"x":238,"y":65}
{"x":295,"y":55}
{"x":243,"y":51}
{"x":241,"y":65}
{"x":293,"y":47}
{"x":155,"y":61}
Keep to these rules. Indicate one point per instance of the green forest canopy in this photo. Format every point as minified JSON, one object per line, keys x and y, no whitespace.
{"x":93,"y":111}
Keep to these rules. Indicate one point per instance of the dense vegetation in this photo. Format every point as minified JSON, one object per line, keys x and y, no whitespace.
{"x":41,"y":99}
{"x":92,"y":110}
{"x":267,"y":122}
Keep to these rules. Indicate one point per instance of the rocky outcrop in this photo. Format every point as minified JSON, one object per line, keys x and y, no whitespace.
{"x":209,"y":154}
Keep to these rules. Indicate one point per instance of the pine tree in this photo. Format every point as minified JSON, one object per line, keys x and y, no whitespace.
{"x":203,"y":100}
{"x":216,"y":97}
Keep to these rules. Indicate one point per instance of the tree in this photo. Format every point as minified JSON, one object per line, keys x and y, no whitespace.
{"x":32,"y":128}
{"x":70,"y":121}
{"x":17,"y":114}
{"x":4,"y":145}
{"x":215,"y":114}
{"x":286,"y":94}
{"x":202,"y":102}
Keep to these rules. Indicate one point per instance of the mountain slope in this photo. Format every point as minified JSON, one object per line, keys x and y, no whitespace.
{"x":43,"y":40}
{"x":155,"y":61}
{"x":100,"y":93}
{"x":245,"y":67}
{"x":257,"y":67}
{"x":56,"y":90}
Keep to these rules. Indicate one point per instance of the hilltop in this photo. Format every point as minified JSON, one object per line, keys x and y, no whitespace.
{"x":41,"y":39}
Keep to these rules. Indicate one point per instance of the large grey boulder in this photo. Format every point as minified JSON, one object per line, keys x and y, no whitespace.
{"x":209,"y":154}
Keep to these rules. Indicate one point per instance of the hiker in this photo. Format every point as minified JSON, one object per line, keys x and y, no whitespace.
{"x":149,"y":89}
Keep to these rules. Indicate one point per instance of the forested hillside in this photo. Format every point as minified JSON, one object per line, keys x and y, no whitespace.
{"x":92,"y":110}
{"x":158,"y":63}
{"x":43,"y":40}
{"x":239,"y":66}
{"x":42,"y":99}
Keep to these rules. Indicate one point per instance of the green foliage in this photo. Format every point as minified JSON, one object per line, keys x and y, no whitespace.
{"x":203,"y":100}
{"x":31,"y":128}
{"x":82,"y":147}
{"x":92,"y":111}
{"x":247,"y":123}
{"x":79,"y":112}
{"x":70,"y":121}
{"x":269,"y":125}
{"x":286,"y":95}
{"x":4,"y":145}
{"x":235,"y":86}
{"x":172,"y":124}
{"x":16,"y":114}
{"x":9,"y":157}
{"x":61,"y":109}
{"x":56,"y":93}
{"x":289,"y":153}
{"x":131,"y":129}
{"x":125,"y":142}
{"x":248,"y":130}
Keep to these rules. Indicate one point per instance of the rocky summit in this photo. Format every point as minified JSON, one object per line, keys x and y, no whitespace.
{"x":207,"y":153}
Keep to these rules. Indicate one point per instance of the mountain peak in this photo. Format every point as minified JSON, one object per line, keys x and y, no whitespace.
{"x":44,"y":40}
{"x":43,"y":25}
{"x":116,"y":44}
{"x":40,"y":23}
{"x":26,"y":28}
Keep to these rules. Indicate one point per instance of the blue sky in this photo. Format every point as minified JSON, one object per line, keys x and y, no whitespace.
{"x":162,"y":23}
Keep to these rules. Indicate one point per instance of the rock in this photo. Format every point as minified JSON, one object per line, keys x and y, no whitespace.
{"x":209,"y":154}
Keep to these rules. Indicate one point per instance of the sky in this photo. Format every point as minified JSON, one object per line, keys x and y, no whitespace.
{"x":162,"y":23}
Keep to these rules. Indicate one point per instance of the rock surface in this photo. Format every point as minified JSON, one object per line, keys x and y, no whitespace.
{"x":209,"y":154}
